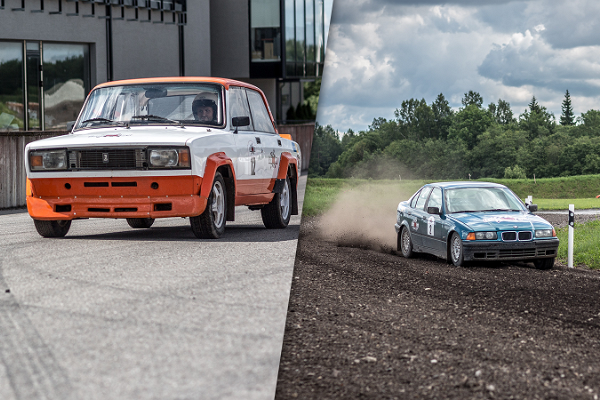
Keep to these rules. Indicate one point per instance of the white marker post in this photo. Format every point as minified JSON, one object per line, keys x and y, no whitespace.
{"x":571,"y":233}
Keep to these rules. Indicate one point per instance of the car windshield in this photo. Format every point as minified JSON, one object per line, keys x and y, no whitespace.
{"x":479,"y":199}
{"x":177,"y":103}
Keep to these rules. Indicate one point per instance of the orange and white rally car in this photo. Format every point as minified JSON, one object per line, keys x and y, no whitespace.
{"x":143,"y":149}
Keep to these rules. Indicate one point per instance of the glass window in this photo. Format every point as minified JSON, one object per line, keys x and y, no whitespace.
{"x":310,"y":30}
{"x":33,"y":84}
{"x":194,"y":104}
{"x":11,"y":86}
{"x":435,"y":200}
{"x":265,"y":30}
{"x":260,"y":115}
{"x":482,"y":199}
{"x":66,"y":72}
{"x":423,"y":198}
{"x":238,"y":106}
{"x":300,"y":42}
{"x":319,"y":26}
{"x":290,"y":31}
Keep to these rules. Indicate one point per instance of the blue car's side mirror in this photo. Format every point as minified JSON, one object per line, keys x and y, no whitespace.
{"x":433,"y":210}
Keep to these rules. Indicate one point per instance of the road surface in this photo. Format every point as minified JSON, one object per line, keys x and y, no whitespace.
{"x":110,"y":312}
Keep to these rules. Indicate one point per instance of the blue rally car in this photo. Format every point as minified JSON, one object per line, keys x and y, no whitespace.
{"x":474,"y":221}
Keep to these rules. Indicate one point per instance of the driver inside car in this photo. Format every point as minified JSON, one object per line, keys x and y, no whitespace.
{"x":204,"y":108}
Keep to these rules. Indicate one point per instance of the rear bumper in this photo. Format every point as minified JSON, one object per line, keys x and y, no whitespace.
{"x":123,"y":197}
{"x":510,"y":251}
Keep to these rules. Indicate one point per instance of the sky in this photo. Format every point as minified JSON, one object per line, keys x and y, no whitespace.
{"x":381,"y":52}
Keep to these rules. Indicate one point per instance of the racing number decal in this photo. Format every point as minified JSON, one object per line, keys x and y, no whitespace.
{"x":430,"y":226}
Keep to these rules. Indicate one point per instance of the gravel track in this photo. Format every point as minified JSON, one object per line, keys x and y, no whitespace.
{"x":374,"y":325}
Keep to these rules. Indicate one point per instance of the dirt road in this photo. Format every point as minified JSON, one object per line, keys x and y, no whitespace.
{"x":374,"y":325}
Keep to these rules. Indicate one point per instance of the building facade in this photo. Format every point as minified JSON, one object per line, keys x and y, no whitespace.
{"x":52,"y":52}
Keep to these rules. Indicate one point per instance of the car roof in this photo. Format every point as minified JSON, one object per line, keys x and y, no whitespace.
{"x":466,"y":184}
{"x":179,"y":79}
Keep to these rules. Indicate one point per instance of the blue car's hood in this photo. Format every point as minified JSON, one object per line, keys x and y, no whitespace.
{"x":499,"y":221}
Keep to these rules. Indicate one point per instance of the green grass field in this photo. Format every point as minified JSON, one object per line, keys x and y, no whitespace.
{"x":586,"y":244}
{"x":321,"y":193}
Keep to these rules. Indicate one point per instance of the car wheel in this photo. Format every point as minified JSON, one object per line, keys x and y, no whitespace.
{"x":276,"y":214}
{"x":52,"y":229}
{"x":140,"y":222}
{"x":211,"y":223}
{"x":544,"y":263}
{"x":456,"y":250}
{"x":405,"y":243}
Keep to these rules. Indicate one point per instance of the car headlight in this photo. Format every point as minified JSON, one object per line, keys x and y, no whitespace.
{"x":48,"y":160}
{"x":542,"y":233}
{"x":482,"y":236}
{"x":170,"y":158}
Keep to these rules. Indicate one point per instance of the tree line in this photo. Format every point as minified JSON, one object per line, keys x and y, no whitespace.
{"x":432,"y":141}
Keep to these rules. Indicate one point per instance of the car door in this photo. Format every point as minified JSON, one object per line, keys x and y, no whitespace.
{"x":250,"y":148}
{"x":435,"y":238}
{"x":270,"y":140}
{"x":418,"y":226}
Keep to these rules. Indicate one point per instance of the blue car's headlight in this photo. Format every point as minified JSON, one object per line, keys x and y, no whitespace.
{"x":482,"y":236}
{"x":542,"y":233}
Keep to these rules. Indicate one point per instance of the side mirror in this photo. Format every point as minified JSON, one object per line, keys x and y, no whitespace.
{"x":70,"y":126}
{"x":240,"y":121}
{"x":532,"y":207}
{"x":433,"y":210}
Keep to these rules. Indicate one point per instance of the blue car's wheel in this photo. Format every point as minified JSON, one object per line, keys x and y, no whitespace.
{"x":456,"y":250}
{"x":405,"y":243}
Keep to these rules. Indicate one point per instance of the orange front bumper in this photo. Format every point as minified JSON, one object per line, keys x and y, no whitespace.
{"x":123,"y":197}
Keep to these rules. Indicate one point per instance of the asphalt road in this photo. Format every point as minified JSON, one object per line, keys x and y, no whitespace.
{"x":110,"y":312}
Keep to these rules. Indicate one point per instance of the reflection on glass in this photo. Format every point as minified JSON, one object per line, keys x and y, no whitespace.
{"x":65,"y":80}
{"x":319,"y":30}
{"x":33,"y":84}
{"x":310,"y":30}
{"x":11,"y":86}
{"x":300,"y":30}
{"x":290,"y":31}
{"x":265,"y":30}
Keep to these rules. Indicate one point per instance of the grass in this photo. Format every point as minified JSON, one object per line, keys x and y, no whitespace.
{"x":572,"y":187}
{"x":586,"y":244}
{"x":563,"y":204}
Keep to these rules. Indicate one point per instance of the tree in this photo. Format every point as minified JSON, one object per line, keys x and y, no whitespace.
{"x":442,"y":116}
{"x":568,"y":116}
{"x":472,"y":97}
{"x":326,"y":149}
{"x":501,"y":112}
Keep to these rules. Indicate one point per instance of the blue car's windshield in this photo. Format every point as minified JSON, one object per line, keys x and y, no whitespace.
{"x":476,"y":199}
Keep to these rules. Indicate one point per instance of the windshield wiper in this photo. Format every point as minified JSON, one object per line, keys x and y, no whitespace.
{"x":99,"y":120}
{"x":157,"y":118}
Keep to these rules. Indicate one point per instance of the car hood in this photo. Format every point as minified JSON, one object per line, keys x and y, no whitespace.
{"x":499,"y":221}
{"x":120,"y":136}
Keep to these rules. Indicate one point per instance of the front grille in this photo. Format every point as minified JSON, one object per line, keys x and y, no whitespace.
{"x":512,"y":236}
{"x":510,"y":253}
{"x":509,"y":236}
{"x":525,"y":235}
{"x":107,"y":159}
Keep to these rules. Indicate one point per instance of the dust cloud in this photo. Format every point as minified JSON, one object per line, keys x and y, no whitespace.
{"x":364,"y":216}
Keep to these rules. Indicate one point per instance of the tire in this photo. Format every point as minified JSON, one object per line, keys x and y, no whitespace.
{"x":544,"y":263}
{"x":405,"y":243}
{"x":456,"y":250}
{"x":211,"y":223}
{"x":52,"y":229}
{"x":276,"y":214}
{"x":140,"y":222}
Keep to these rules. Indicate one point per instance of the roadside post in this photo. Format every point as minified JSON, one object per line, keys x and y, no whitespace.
{"x":571,"y":233}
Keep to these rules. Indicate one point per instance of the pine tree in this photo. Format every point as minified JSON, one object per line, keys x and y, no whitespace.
{"x":567,"y":117}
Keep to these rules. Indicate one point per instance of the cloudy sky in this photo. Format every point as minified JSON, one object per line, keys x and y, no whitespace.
{"x":381,"y":52}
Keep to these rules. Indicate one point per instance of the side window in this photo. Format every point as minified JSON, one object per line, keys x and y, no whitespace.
{"x":423,"y":198}
{"x":413,"y":201}
{"x":435,"y":200}
{"x":238,"y":106}
{"x":260,"y":115}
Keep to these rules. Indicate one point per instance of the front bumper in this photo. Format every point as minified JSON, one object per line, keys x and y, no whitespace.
{"x":510,"y":251}
{"x":112,"y":197}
